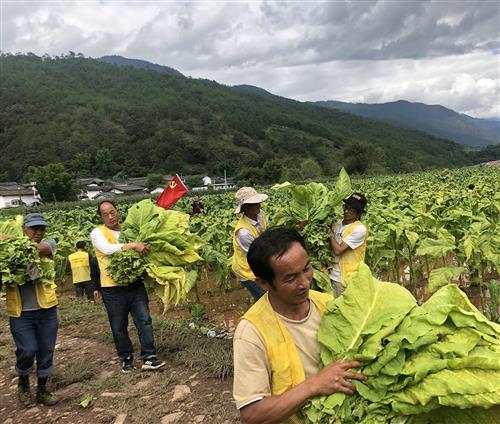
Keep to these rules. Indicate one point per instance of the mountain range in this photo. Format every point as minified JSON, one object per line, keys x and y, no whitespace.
{"x":435,"y":120}
{"x":102,"y":120}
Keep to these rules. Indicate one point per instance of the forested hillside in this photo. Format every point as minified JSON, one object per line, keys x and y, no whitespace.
{"x":102,"y":120}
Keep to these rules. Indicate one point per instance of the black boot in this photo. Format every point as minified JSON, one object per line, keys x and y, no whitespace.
{"x":23,"y":391}
{"x":43,"y":396}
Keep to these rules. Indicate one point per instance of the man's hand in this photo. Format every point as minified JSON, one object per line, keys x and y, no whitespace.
{"x":334,"y":378}
{"x":96,"y":295}
{"x":140,"y":247}
{"x":301,"y":225}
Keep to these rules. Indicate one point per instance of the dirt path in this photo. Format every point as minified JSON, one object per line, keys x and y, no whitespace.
{"x":86,"y":365}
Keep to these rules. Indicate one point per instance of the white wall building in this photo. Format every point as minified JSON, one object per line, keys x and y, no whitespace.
{"x":12,"y":198}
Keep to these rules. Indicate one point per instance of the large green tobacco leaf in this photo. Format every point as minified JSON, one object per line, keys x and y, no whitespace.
{"x":446,"y":415}
{"x":417,"y":358}
{"x":172,"y":250}
{"x":439,"y":277}
{"x":435,"y":248}
{"x":314,"y":204}
{"x":12,"y":226}
{"x":367,"y":307}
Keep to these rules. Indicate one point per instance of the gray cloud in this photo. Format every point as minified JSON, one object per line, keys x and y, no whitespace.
{"x":431,"y":51}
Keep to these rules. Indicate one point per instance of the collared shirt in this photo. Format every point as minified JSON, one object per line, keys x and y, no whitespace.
{"x":102,"y":244}
{"x":244,"y":237}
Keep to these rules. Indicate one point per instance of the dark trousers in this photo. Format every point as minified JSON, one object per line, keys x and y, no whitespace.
{"x":121,"y":301}
{"x":85,"y":287}
{"x":255,"y":290}
{"x":35,"y":334}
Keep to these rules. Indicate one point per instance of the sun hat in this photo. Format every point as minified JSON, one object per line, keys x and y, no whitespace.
{"x":34,"y":219}
{"x":248,"y":195}
{"x":356,"y":201}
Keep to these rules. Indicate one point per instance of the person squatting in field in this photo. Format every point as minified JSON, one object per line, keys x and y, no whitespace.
{"x":122,"y":300}
{"x":348,"y":242}
{"x":276,"y":349}
{"x":33,"y":319}
{"x":251,"y":224}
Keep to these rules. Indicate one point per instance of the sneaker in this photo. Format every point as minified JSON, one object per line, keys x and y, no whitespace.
{"x":152,"y":363}
{"x":24,"y":395}
{"x":127,"y":364}
{"x":45,"y":398}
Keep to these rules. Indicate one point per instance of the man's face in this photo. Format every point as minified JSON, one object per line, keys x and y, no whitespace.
{"x":252,"y":210}
{"x":292,"y":276}
{"x":110,"y":216}
{"x":350,"y":213}
{"x":36,"y":233}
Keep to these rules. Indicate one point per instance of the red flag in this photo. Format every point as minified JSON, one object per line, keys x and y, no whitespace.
{"x":173,"y":191}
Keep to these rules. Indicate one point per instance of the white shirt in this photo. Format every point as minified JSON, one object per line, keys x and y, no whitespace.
{"x":353,"y":240}
{"x":102,"y":244}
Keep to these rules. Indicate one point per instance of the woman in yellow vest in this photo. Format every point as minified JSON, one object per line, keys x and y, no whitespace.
{"x":276,"y":350}
{"x":79,"y":265}
{"x":33,"y":318}
{"x":251,"y":224}
{"x":348,"y":242}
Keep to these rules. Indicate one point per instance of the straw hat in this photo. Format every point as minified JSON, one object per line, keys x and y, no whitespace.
{"x":248,"y":195}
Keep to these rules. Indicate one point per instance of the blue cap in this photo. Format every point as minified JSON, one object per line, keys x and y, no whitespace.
{"x":34,"y":219}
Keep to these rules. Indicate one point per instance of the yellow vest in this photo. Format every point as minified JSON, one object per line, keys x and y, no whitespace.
{"x":239,"y":262}
{"x":287,"y":370}
{"x":45,"y":296}
{"x":80,"y":266}
{"x":104,"y":261}
{"x":349,"y":260}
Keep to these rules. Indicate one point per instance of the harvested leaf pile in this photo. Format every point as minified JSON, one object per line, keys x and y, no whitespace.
{"x":172,"y":251}
{"x":314,"y":205}
{"x":435,"y":363}
{"x":19,"y":258}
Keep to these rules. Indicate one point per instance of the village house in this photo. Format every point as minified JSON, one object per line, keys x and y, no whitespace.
{"x":14,"y":195}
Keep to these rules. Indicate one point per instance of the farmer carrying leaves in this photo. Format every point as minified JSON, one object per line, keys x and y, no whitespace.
{"x":348,"y":242}
{"x":122,"y":300}
{"x":31,"y":306}
{"x":276,"y":350}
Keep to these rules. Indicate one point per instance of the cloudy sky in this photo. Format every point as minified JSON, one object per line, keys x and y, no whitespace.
{"x":435,"y":52}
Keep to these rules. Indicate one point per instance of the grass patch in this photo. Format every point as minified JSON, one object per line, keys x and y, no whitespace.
{"x":75,"y":372}
{"x":213,"y":356}
{"x":76,"y":311}
{"x":191,"y":348}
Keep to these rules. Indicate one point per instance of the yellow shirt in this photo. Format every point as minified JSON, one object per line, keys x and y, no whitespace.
{"x":80,"y":266}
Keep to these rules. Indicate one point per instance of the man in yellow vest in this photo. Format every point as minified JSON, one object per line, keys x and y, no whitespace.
{"x":251,"y":224}
{"x":276,"y":351}
{"x":79,"y":265}
{"x":33,"y":318}
{"x":348,"y":242}
{"x":122,"y":300}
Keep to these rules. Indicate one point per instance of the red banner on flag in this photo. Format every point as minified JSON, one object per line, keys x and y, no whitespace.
{"x":173,"y":191}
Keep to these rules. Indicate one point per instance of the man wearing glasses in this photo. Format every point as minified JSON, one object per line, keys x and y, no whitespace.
{"x":121,"y":300}
{"x":348,"y":242}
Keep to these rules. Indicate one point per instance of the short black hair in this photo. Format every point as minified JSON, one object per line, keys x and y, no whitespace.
{"x":102,"y":203}
{"x":273,"y":242}
{"x":81,"y":244}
